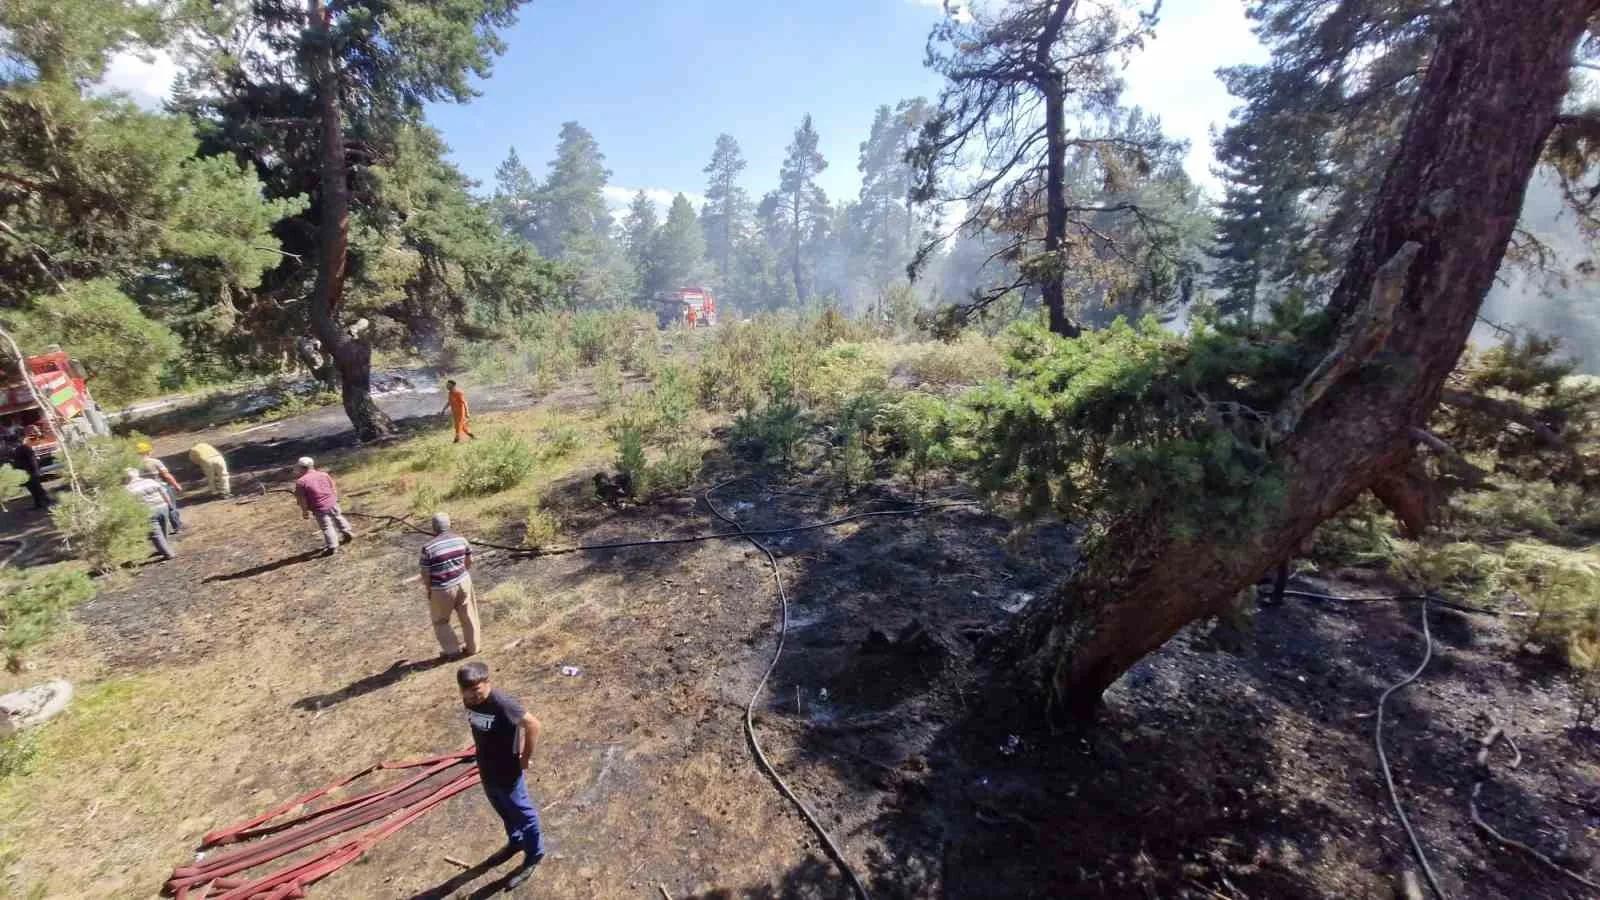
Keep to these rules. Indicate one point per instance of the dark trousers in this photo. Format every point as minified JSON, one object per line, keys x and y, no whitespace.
{"x":160,"y":527}
{"x":35,"y":486}
{"x":172,"y":509}
{"x":515,"y":808}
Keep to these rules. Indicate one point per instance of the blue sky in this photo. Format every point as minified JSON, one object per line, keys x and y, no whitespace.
{"x":657,"y":80}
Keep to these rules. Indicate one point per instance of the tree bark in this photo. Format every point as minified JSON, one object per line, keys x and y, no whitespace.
{"x":351,"y":356}
{"x":1455,"y":185}
{"x":799,"y":288}
{"x":1055,"y":180}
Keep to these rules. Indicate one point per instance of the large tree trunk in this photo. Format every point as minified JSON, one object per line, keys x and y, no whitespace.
{"x":1455,"y":187}
{"x":1055,"y":177}
{"x":351,"y":356}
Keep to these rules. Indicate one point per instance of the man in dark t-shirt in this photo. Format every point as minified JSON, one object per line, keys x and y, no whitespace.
{"x":497,"y":722}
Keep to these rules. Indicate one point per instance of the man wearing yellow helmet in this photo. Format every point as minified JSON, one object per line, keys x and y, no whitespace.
{"x":152,"y":467}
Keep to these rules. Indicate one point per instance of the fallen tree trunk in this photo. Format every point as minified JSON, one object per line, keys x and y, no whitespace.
{"x":1455,"y":188}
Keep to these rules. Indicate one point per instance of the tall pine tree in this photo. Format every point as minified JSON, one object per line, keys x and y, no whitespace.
{"x":799,"y":202}
{"x":727,"y":205}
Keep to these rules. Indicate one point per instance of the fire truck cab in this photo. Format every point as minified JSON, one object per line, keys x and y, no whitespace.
{"x":61,"y":382}
{"x":691,"y":307}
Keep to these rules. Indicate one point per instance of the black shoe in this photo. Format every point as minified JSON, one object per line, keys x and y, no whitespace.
{"x":523,"y":872}
{"x":346,"y":538}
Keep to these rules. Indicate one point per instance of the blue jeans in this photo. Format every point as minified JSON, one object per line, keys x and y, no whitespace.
{"x":515,"y":808}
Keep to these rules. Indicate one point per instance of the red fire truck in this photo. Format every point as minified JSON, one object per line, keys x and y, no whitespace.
{"x":693,"y":307}
{"x":60,"y":381}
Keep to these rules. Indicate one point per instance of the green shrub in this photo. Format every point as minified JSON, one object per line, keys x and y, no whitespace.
{"x":19,"y":754}
{"x":630,"y":456}
{"x":104,"y":528}
{"x":1458,"y":569}
{"x":773,"y":432}
{"x":926,"y":434}
{"x":1361,"y":535}
{"x":1563,"y":587}
{"x":541,"y":528}
{"x":969,"y":360}
{"x":11,"y":484}
{"x":425,"y":500}
{"x":559,"y":441}
{"x":497,"y":462}
{"x":675,"y":471}
{"x":34,"y":602}
{"x":432,"y":456}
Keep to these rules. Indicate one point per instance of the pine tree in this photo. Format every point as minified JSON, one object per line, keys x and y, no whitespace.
{"x":799,"y":201}
{"x":727,"y":205}
{"x":572,"y":216}
{"x":639,"y":229}
{"x":1014,"y":74}
{"x":884,"y":219}
{"x":516,"y":197}
{"x":677,"y":257}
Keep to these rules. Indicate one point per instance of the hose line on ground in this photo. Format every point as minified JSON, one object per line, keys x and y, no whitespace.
{"x":755,"y":696}
{"x":1383,"y":758}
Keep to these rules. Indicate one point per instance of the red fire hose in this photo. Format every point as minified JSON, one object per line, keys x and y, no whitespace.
{"x":269,"y":837}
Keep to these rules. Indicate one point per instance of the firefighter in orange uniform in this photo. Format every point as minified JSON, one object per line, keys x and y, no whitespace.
{"x":460,"y":415}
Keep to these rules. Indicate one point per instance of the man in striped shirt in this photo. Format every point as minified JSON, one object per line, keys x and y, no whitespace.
{"x":447,"y":576}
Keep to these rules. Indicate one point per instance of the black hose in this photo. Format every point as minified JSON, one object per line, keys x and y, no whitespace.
{"x":749,"y":708}
{"x":1383,"y":759}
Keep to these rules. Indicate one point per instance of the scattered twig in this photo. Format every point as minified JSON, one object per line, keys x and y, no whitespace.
{"x":456,"y":862}
{"x":663,"y":889}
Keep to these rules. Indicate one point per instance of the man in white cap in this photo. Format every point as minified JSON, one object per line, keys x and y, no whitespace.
{"x":317,"y":495}
{"x":447,"y":576}
{"x":154,"y":496}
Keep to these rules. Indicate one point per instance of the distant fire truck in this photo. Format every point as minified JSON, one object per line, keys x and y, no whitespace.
{"x":60,"y":380}
{"x":692,"y":307}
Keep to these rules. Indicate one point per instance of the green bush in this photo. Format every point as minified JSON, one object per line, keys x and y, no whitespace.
{"x":34,"y":602}
{"x":541,"y":528}
{"x":969,"y":360}
{"x":630,"y":456}
{"x":1460,"y":569}
{"x":559,"y":441}
{"x":104,"y":528}
{"x":773,"y":432}
{"x":497,"y":462}
{"x":1133,"y":418}
{"x":425,"y":500}
{"x":19,"y":754}
{"x":11,"y":484}
{"x":432,"y":456}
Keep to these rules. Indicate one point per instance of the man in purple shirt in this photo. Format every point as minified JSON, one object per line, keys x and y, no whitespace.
{"x":314,"y":490}
{"x":447,"y":577}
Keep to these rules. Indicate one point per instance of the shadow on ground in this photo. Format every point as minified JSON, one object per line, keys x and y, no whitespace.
{"x":376,"y":682}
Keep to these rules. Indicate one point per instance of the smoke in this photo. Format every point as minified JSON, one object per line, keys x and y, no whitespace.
{"x":1555,"y":296}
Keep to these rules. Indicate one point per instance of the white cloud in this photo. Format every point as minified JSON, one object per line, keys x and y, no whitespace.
{"x":1175,"y":75}
{"x":961,"y":8}
{"x":145,"y":78}
{"x":618,"y":197}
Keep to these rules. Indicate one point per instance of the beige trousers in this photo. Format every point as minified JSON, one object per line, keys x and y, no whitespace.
{"x":216,"y":470}
{"x":457,"y":600}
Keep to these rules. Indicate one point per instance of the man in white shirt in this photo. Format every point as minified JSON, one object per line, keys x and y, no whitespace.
{"x":154,"y":497}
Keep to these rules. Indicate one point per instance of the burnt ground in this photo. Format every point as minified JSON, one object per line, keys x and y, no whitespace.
{"x":255,"y":672}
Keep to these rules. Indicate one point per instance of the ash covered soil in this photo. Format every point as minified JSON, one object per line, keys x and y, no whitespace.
{"x":1240,"y":772}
